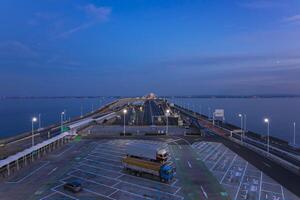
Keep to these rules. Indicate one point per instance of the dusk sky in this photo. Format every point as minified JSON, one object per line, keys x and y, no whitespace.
{"x":133,"y":47}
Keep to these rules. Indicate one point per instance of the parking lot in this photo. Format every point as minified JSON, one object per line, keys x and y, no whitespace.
{"x":101,"y":175}
{"x":239,"y":178}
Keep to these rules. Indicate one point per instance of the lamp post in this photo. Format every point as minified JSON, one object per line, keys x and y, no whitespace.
{"x":241,"y":116}
{"x":294,"y":133}
{"x":61,"y":121}
{"x":167,"y":116}
{"x":267,"y":121}
{"x":34,"y":119}
{"x":124,"y":112}
{"x":208,"y":113}
{"x":39,"y":120}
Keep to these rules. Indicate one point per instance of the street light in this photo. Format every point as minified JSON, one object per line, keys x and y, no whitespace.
{"x":124,"y":112}
{"x":61,"y":121}
{"x":267,"y":121}
{"x":294,"y":133}
{"x":241,"y":116}
{"x":167,"y":116}
{"x":34,"y":119}
{"x":208,"y":113}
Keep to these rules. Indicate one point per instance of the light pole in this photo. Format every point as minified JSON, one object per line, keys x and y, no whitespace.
{"x":294,"y":133}
{"x":34,"y":119}
{"x":124,"y":112}
{"x":61,"y":121}
{"x":39,"y":120}
{"x":167,"y":116}
{"x":267,"y":121}
{"x":241,"y":116}
{"x":208,"y":113}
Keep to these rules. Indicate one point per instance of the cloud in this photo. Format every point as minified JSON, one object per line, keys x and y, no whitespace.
{"x":295,"y":19}
{"x":16,"y":49}
{"x":96,"y":15}
{"x":100,"y":13}
{"x":263,"y":4}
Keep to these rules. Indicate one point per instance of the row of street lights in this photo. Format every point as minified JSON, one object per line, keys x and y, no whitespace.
{"x":35,"y":119}
{"x":167,"y":119}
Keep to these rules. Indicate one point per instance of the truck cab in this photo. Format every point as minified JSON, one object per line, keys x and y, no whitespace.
{"x":167,"y":173}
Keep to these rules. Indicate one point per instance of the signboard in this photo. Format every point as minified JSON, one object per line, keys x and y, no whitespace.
{"x":219,"y":113}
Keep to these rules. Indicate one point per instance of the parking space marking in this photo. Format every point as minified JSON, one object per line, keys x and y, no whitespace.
{"x":30,"y":174}
{"x":49,"y":195}
{"x":114,"y":160}
{"x":219,"y":159}
{"x":204,"y":192}
{"x":189,"y":164}
{"x":241,"y":181}
{"x":58,"y":155}
{"x":282,"y":192}
{"x":107,"y":154}
{"x":96,"y":193}
{"x":102,"y":162}
{"x":230,"y":165}
{"x":101,"y":168}
{"x":259,"y":194}
{"x":117,"y":190}
{"x":65,"y":195}
{"x":53,"y":170}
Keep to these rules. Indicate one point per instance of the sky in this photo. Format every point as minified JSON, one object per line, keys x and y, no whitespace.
{"x":133,"y":47}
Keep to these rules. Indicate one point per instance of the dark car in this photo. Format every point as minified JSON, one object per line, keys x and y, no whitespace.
{"x":74,"y":186}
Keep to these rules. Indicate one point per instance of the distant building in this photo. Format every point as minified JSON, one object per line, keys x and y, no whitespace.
{"x":150,"y":96}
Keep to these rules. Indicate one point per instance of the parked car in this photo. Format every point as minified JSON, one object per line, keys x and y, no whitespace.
{"x":74,"y":186}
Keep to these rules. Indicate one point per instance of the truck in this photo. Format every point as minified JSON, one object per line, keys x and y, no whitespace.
{"x":145,"y":159}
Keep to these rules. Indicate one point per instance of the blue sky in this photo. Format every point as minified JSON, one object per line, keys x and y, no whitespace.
{"x":132,"y":47}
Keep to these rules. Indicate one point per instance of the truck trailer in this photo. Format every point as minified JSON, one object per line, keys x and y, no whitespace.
{"x":149,"y":158}
{"x":139,"y":167}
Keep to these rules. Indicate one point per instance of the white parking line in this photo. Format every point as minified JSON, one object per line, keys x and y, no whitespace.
{"x":108,"y":154}
{"x":53,"y":170}
{"x":219,"y":159}
{"x":190,"y":166}
{"x":241,"y":181}
{"x":101,"y":168}
{"x":282,"y":192}
{"x":104,"y":158}
{"x":96,"y":193}
{"x":259,"y":194}
{"x":30,"y":174}
{"x":267,"y":164}
{"x":268,"y":191}
{"x":117,"y":190}
{"x":231,"y":163}
{"x":204,"y":193}
{"x":65,"y":194}
{"x":215,"y":148}
{"x":49,"y":195}
{"x":102,"y":162}
{"x":58,"y":155}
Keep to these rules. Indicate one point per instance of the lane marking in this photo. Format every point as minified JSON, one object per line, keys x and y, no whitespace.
{"x":203,"y":191}
{"x":189,"y":164}
{"x":53,"y":170}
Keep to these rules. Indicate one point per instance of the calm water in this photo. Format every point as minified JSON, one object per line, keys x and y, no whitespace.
{"x":281,"y":111}
{"x":16,"y":114}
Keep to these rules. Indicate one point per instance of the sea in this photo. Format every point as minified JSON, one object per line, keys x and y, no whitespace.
{"x":16,"y":114}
